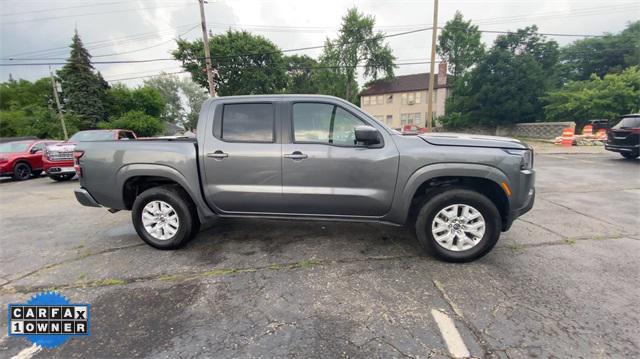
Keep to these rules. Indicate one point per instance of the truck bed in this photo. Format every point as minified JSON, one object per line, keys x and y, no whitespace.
{"x":108,"y":165}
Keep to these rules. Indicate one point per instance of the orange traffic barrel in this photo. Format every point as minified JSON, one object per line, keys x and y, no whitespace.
{"x":567,"y":137}
{"x":587,"y":130}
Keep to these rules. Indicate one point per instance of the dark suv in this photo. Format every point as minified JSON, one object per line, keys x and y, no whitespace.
{"x":624,"y":137}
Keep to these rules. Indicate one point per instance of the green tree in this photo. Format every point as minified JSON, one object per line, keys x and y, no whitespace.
{"x":602,"y":55}
{"x":329,"y":77}
{"x":169,"y":88}
{"x":83,"y":89}
{"x":596,"y":98}
{"x":26,"y":110}
{"x":358,"y":45}
{"x":137,"y":121}
{"x":120,"y":99}
{"x":195,"y":95}
{"x":508,"y":83}
{"x":247,"y":64}
{"x":300,"y":70}
{"x":18,"y":94}
{"x":460,"y":45}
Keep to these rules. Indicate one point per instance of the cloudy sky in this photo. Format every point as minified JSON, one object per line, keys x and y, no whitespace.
{"x":115,"y":30}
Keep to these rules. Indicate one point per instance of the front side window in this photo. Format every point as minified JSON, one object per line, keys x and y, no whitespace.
{"x":37,"y":147}
{"x":324,"y":123}
{"x":250,"y":122}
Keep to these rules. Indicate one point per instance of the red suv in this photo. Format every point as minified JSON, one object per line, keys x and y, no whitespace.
{"x":58,"y":158}
{"x":22,"y":159}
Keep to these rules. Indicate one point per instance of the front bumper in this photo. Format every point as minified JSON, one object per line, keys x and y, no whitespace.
{"x":524,"y":198}
{"x":622,"y":149}
{"x":85,"y":198}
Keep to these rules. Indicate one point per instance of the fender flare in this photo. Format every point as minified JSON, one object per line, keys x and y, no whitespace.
{"x":423,"y":174}
{"x":131,"y":170}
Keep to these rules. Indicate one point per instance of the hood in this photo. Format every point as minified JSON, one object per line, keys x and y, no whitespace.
{"x":468,"y":140}
{"x":62,"y":147}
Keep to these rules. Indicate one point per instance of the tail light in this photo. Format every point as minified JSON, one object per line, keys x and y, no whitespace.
{"x":76,"y":162}
{"x":635,"y":130}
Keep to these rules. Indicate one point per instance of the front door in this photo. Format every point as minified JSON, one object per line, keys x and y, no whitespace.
{"x":324,"y":172}
{"x":242,"y":159}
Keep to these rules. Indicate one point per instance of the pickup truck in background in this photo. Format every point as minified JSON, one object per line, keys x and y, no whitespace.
{"x":58,"y":158}
{"x":316,"y":158}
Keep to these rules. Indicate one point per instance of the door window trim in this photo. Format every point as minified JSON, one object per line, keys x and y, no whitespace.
{"x":219,"y":119}
{"x":292,"y":135}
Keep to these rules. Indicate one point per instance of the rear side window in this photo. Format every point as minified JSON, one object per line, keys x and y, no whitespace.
{"x":252,"y":122}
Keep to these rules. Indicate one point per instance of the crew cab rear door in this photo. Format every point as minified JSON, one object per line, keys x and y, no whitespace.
{"x":242,"y":157}
{"x":324,"y":172}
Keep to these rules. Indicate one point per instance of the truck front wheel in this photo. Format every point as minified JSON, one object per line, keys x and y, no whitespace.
{"x":458,"y":225}
{"x":165,"y":217}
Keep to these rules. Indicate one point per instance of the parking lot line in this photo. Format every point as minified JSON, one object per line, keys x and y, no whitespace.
{"x":27,"y":353}
{"x":450,"y":334}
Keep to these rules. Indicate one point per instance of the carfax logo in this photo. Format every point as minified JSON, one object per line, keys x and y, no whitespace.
{"x":48,"y":319}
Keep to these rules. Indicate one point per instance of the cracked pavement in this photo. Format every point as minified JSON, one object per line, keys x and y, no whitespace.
{"x":563,"y":282}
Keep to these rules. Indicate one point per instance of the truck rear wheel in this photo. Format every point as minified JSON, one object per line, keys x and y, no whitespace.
{"x":165,"y":217}
{"x":458,"y":225}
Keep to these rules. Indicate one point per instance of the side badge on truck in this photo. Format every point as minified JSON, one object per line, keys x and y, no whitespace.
{"x":48,"y":319}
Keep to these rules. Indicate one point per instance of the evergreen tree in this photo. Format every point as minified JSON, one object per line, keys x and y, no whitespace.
{"x":83,"y":89}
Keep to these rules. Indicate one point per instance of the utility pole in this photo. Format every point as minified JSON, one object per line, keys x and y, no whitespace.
{"x":434,"y":38}
{"x":207,"y":55}
{"x":55,"y":95}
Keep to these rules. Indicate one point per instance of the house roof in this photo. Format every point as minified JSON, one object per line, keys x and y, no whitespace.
{"x":415,"y":82}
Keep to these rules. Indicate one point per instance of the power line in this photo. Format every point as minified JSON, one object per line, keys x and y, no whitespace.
{"x":221,"y":57}
{"x":92,"y":45}
{"x":88,"y":14}
{"x":311,"y":68}
{"x":486,"y":21}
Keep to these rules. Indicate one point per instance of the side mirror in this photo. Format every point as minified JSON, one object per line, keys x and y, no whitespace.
{"x":35,"y":150}
{"x":367,"y":135}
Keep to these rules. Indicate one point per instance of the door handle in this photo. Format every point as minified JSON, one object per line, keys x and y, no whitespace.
{"x":296,"y":155}
{"x":217,"y":155}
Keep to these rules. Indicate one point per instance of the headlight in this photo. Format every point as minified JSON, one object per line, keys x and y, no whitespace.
{"x":527,"y":160}
{"x":526,"y":156}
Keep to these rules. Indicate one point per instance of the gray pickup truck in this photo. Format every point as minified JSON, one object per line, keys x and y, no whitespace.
{"x":313,"y":158}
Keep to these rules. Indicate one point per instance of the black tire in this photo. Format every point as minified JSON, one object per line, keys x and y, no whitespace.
{"x":36,"y":173}
{"x":21,"y":171}
{"x":435,"y":204}
{"x":62,"y":177}
{"x":189,"y":225}
{"x":630,"y":156}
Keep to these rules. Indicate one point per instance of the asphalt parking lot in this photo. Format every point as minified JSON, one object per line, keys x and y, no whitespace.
{"x":564,"y":282}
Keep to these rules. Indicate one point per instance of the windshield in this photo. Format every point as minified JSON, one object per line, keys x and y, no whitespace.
{"x":92,"y":136}
{"x":14,"y":146}
{"x":628,"y":122}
